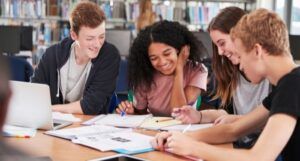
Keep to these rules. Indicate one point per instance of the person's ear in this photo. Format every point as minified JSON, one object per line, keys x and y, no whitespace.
{"x":73,"y":35}
{"x":258,"y":50}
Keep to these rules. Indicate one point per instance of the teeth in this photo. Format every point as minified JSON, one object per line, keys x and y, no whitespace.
{"x":165,"y":67}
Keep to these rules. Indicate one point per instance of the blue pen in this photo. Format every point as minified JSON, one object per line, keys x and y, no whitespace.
{"x":123,"y":112}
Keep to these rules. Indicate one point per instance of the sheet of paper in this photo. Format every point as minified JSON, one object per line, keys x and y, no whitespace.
{"x":72,"y":133}
{"x":122,"y":121}
{"x":193,"y":127}
{"x":65,"y":117}
{"x":156,"y":123}
{"x":16,"y":131}
{"x":130,"y":141}
{"x":93,"y":120}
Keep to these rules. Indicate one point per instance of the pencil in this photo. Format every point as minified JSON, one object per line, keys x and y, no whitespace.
{"x":165,"y":119}
{"x":185,"y":129}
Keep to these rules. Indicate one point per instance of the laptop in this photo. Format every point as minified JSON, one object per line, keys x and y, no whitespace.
{"x":30,"y":106}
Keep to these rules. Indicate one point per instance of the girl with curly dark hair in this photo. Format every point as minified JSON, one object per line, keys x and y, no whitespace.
{"x":165,"y":69}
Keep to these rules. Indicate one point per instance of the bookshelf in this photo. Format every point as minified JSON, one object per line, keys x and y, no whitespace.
{"x":49,"y":18}
{"x":194,"y":13}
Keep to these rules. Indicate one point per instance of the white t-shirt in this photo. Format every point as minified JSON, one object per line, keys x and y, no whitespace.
{"x":248,"y":96}
{"x":73,"y":78}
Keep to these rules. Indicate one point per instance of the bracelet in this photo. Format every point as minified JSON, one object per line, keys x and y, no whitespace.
{"x":200,"y":113}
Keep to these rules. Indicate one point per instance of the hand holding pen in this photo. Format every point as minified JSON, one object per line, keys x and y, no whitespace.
{"x":125,"y":107}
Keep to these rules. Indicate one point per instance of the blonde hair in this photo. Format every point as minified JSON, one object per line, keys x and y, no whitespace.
{"x":147,"y":16}
{"x":263,"y":27}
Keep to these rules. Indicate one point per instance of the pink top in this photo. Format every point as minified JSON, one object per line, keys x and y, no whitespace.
{"x":158,"y":98}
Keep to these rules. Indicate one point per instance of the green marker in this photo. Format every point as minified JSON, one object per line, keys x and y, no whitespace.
{"x":130,"y":96}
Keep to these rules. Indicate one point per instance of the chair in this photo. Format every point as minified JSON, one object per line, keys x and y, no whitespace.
{"x":122,"y":81}
{"x":21,"y":70}
{"x":114,"y":102}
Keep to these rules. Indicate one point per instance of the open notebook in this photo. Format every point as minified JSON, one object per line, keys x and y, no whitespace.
{"x":133,"y":121}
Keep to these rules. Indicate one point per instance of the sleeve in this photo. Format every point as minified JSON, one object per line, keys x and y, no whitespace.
{"x":101,"y":82}
{"x":28,"y":71}
{"x":267,"y":101}
{"x":197,"y":77}
{"x":287,"y":98}
{"x":140,"y":101}
{"x":39,"y":75}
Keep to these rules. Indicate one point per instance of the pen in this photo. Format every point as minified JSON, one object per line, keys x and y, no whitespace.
{"x":165,"y":119}
{"x":123,"y":112}
{"x":130,"y":99}
{"x":130,"y":96}
{"x":185,"y":129}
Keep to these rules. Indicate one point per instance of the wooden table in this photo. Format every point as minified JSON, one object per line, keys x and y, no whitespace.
{"x":64,"y":150}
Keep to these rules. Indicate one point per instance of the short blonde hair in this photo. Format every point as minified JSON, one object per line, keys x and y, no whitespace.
{"x":263,"y":27}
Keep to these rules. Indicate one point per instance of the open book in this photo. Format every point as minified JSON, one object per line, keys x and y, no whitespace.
{"x":126,"y":142}
{"x":73,"y":133}
{"x":133,"y":121}
{"x":143,"y":121}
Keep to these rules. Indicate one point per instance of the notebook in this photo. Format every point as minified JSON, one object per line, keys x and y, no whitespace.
{"x":133,"y":121}
{"x":30,"y":106}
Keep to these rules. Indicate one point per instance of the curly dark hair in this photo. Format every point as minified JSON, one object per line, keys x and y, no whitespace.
{"x":140,"y":69}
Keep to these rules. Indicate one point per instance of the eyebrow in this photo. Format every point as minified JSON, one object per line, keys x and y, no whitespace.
{"x":91,"y":36}
{"x":164,"y":51}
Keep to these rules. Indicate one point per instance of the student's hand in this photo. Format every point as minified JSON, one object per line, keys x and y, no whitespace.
{"x":180,"y":144}
{"x":126,"y":107}
{"x":159,"y":141}
{"x":186,"y":114}
{"x":183,"y":57}
{"x":225,"y":119}
{"x":60,"y":108}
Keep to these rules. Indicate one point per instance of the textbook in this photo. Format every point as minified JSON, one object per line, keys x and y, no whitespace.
{"x":133,"y":121}
{"x":125,"y":142}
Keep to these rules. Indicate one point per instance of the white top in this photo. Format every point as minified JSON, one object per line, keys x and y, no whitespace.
{"x":248,"y":96}
{"x":73,"y":78}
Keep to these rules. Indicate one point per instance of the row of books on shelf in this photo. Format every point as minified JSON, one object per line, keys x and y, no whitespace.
{"x":36,"y":8}
{"x":194,"y":12}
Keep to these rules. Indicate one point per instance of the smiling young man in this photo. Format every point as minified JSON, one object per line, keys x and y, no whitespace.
{"x":82,"y":69}
{"x":262,"y":40}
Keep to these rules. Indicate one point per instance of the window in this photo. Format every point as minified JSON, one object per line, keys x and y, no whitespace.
{"x":295,"y":19}
{"x":280,"y":8}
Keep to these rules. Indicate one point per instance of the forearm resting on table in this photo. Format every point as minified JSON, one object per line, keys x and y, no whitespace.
{"x":215,"y":135}
{"x":209,"y":116}
{"x":74,"y":108}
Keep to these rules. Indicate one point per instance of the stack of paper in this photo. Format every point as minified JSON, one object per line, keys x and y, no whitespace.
{"x":16,"y":131}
